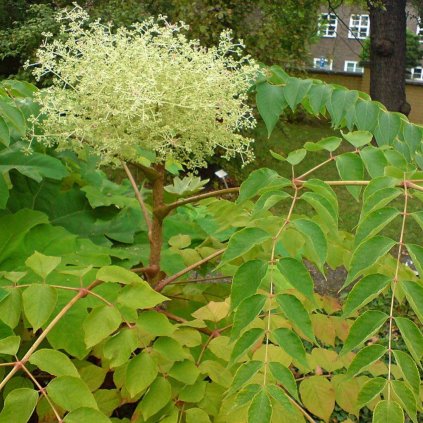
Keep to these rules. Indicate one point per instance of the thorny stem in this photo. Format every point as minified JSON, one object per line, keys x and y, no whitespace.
{"x":44,"y":393}
{"x":83,"y":292}
{"x":272,"y":262}
{"x":159,"y":287}
{"x":395,"y":283}
{"x":138,"y":197}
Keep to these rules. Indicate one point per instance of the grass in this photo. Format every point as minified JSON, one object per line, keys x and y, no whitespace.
{"x":291,"y":136}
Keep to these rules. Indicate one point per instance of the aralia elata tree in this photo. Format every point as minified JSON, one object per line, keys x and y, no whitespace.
{"x":86,"y":339}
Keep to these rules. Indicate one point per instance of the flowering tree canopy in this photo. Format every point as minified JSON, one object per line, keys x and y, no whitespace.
{"x":144,"y":94}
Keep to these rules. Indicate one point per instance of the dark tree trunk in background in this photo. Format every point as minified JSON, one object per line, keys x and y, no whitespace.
{"x":387,"y":54}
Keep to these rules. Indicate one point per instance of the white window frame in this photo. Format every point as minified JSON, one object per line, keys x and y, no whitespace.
{"x":356,"y":67}
{"x":419,"y":70}
{"x":330,"y":26}
{"x":419,"y":31}
{"x":358,"y":25}
{"x":316,"y":63}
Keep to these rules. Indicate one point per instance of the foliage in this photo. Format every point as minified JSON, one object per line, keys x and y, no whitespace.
{"x":178,"y":100}
{"x":414,"y":53}
{"x":93,"y":329}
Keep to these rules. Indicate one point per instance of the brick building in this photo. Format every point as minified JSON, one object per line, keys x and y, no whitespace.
{"x":341,"y":38}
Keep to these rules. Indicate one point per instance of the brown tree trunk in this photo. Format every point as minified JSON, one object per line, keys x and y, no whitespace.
{"x":387,"y":54}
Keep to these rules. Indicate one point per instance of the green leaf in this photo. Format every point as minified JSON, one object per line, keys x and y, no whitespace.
{"x":42,"y":265}
{"x":324,"y":208}
{"x":86,"y":415}
{"x":328,"y":144}
{"x":364,"y":291}
{"x":185,"y":371}
{"x":269,"y":199}
{"x":54,"y":362}
{"x":318,"y":96}
{"x":406,"y":398}
{"x":370,"y":390}
{"x":271,"y":102}
{"x":4,"y":192}
{"x":244,"y":373}
{"x":293,"y":309}
{"x":155,"y":323}
{"x":188,"y":185}
{"x":297,"y":275}
{"x":295,"y":90}
{"x":366,"y":115}
{"x":180,"y":241}
{"x":340,"y":101}
{"x":159,"y":394}
{"x":350,"y":168}
{"x":315,"y":238}
{"x":365,"y":326}
{"x":414,"y":293}
{"x":412,"y":336}
{"x":260,"y":410}
{"x":246,"y":312}
{"x":11,"y":308}
{"x":388,"y":412}
{"x":375,"y":161}
{"x":284,"y":377}
{"x":140,"y":295}
{"x":4,"y":133}
{"x":408,"y":369}
{"x":19,"y":406}
{"x":366,"y":255}
{"x":245,"y":396}
{"x":296,"y":157}
{"x":10,"y":345}
{"x":39,"y":301}
{"x":374,"y":222}
{"x":358,"y":138}
{"x":35,"y":166}
{"x":70,"y":393}
{"x":117,"y":274}
{"x":13,"y":117}
{"x":246,"y":280}
{"x":140,"y":373}
{"x":280,"y":396}
{"x":100,"y":323}
{"x":245,"y":342}
{"x":170,"y":349}
{"x":416,"y":253}
{"x":243,"y":241}
{"x":325,"y":190}
{"x":291,"y":343}
{"x":364,"y":358}
{"x":196,"y":415}
{"x":388,"y":127}
{"x":318,"y":395}
{"x":118,"y":348}
{"x":260,"y":181}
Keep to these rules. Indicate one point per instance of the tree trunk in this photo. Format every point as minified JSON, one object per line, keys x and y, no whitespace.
{"x":387,"y":54}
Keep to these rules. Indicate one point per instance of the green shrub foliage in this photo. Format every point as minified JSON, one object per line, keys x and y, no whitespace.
{"x":95,"y":329}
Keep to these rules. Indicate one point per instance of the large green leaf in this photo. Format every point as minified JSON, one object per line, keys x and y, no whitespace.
{"x":388,"y":127}
{"x":416,"y":253}
{"x":140,"y":295}
{"x":340,"y":101}
{"x":159,"y":394}
{"x":185,"y":371}
{"x":42,"y":265}
{"x":388,"y":412}
{"x":366,"y":115}
{"x":318,"y":96}
{"x":19,"y":406}
{"x":54,"y":362}
{"x":140,"y":373}
{"x":350,"y":168}
{"x":13,"y":117}
{"x":280,"y":396}
{"x":4,"y":132}
{"x":70,"y":393}
{"x":285,"y":377}
{"x":363,"y":328}
{"x":244,"y":373}
{"x":86,"y":414}
{"x":367,"y":254}
{"x":10,"y":345}
{"x":370,"y":390}
{"x":297,"y":275}
{"x":291,"y":343}
{"x":324,"y":208}
{"x":39,"y":302}
{"x":408,"y":369}
{"x":374,"y":160}
{"x":245,"y":342}
{"x":412,"y":336}
{"x":246,"y":312}
{"x":246,"y":280}
{"x":243,"y":241}
{"x":100,"y":323}
{"x":270,"y":103}
{"x":414,"y":293}
{"x":296,"y":313}
{"x":358,"y":138}
{"x":295,"y":90}
{"x":364,"y":358}
{"x":406,"y":398}
{"x":364,"y":291}
{"x":260,"y":410}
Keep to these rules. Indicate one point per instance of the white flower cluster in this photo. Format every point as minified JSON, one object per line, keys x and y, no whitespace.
{"x":123,"y":91}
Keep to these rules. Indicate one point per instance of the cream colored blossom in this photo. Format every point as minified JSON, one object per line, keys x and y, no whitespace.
{"x":146,"y":88}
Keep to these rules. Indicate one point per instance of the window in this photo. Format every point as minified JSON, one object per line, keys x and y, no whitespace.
{"x":359,"y":26}
{"x":419,"y":30}
{"x":351,"y":66}
{"x":328,"y":23}
{"x":417,"y":73}
{"x":322,"y":63}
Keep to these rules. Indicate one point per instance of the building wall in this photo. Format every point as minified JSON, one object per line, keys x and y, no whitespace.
{"x":361,"y":82}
